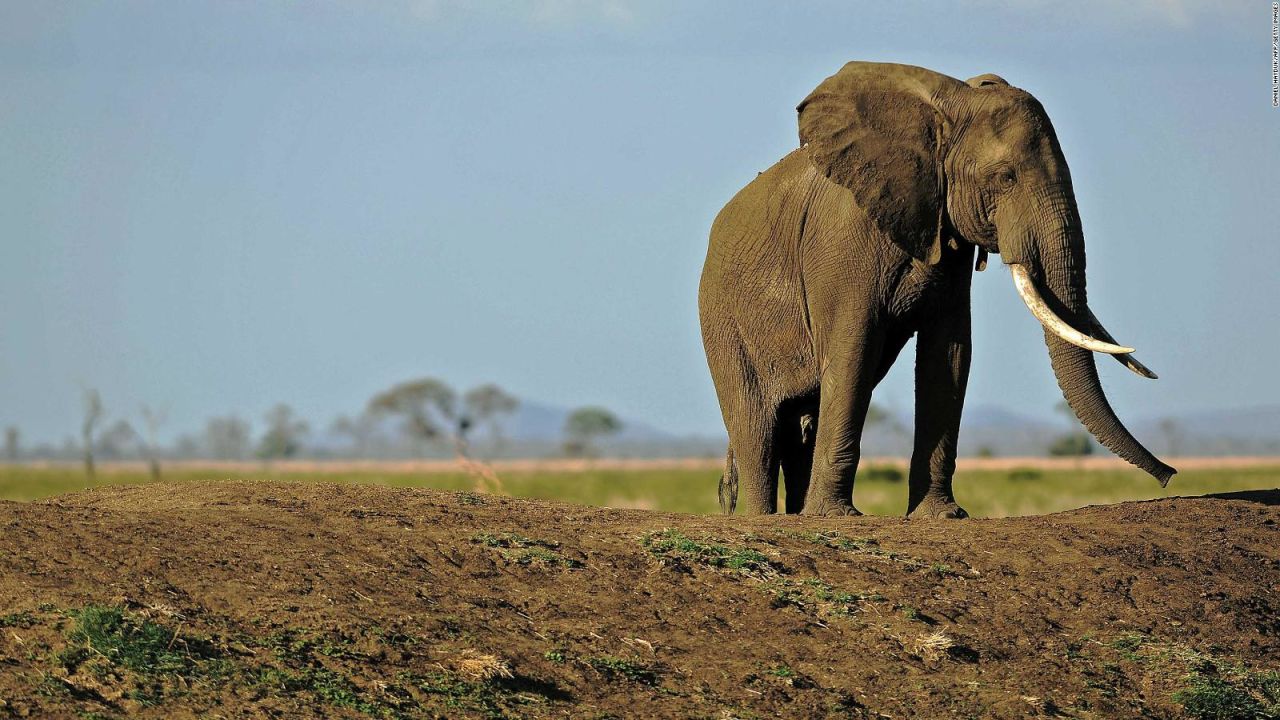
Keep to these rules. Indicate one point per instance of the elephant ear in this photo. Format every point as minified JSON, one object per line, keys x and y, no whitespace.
{"x":873,"y":128}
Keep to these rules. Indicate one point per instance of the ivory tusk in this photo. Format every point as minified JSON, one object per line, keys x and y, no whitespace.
{"x":1128,"y":361}
{"x":1027,"y":290}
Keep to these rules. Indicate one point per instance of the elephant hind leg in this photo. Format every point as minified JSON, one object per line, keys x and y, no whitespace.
{"x":755,"y":466}
{"x":751,"y":463}
{"x":796,"y":428}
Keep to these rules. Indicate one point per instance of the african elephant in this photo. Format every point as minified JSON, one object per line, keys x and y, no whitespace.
{"x":821,"y":269}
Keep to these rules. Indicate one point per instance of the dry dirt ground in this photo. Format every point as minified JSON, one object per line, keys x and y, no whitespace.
{"x":231,"y":600}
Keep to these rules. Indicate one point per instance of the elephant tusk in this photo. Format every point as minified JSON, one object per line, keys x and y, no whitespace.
{"x":1128,"y":361}
{"x":1027,"y":290}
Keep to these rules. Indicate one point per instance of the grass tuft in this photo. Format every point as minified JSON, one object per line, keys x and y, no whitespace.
{"x":1214,"y":698}
{"x":673,"y":547}
{"x":933,"y":646}
{"x":133,"y":643}
{"x":522,"y":550}
{"x":481,"y":667}
{"x":620,"y":668}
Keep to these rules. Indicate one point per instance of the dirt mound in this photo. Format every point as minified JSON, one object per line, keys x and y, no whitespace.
{"x":310,"y":600}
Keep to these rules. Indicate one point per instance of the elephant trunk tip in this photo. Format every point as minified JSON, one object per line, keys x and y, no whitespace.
{"x":1163,"y":474}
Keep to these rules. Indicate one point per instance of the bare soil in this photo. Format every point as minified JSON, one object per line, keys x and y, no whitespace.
{"x":237,"y":600}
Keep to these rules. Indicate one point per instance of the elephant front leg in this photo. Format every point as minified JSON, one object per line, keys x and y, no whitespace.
{"x":847,"y":381}
{"x":942,"y":374}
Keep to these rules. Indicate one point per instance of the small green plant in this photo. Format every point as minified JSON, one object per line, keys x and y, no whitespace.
{"x":833,"y":539}
{"x":21,"y":619}
{"x":555,"y":656}
{"x":815,"y":594}
{"x":1128,"y":645}
{"x":943,"y":570}
{"x":672,"y":546}
{"x":1213,"y":698}
{"x":525,"y":551}
{"x":620,"y":668}
{"x":909,"y":612}
{"x":783,"y":671}
{"x":325,"y":685}
{"x":784,"y":593}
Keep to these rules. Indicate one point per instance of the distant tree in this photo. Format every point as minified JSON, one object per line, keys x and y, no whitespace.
{"x":877,"y":416}
{"x":986,"y":451}
{"x":1075,"y":443}
{"x":486,"y":405}
{"x":360,"y":430}
{"x":428,"y":407}
{"x":283,"y":438}
{"x":92,"y":414}
{"x":1172,"y":432}
{"x":227,"y":438}
{"x":186,"y":446}
{"x":12,"y":443}
{"x":114,"y":442}
{"x":152,"y":419}
{"x":585,"y":425}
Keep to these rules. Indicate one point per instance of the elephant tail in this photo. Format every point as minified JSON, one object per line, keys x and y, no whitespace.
{"x":729,"y":484}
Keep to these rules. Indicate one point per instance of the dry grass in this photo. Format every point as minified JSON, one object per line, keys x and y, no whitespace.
{"x":480,"y":667}
{"x":933,"y":646}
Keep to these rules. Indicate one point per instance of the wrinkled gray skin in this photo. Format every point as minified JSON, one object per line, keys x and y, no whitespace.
{"x":822,"y":268}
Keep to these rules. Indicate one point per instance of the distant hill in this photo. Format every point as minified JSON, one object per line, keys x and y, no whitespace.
{"x":536,"y":429}
{"x":1245,"y":431}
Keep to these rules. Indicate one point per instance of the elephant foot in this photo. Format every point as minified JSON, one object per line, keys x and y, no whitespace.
{"x":830,"y":509}
{"x":938,"y":508}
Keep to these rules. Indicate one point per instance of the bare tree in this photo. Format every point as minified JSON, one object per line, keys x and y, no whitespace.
{"x":113,"y":443}
{"x":486,"y":405}
{"x":12,"y":443}
{"x":360,"y":430}
{"x":584,"y":425}
{"x":152,"y":419}
{"x":186,"y":446}
{"x":227,"y":438}
{"x":430,"y":411}
{"x":92,"y":414}
{"x":427,"y":406}
{"x":283,"y":438}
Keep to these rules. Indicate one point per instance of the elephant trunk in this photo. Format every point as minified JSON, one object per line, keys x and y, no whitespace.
{"x":1054,"y":260}
{"x":1078,"y":377}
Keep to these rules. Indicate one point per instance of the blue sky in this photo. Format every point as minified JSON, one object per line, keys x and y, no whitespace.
{"x":211,"y":207}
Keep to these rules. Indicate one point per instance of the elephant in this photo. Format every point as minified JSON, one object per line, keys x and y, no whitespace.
{"x":821,"y":269}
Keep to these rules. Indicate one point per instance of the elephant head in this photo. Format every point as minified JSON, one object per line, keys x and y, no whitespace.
{"x":934,"y":160}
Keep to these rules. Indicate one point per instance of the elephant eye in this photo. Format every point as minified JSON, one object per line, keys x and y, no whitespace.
{"x":1005,"y":178}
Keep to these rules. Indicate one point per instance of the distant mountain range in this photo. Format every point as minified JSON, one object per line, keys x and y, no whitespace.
{"x":537,"y":429}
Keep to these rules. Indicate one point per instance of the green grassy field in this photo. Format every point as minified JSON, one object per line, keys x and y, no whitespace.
{"x":984,"y":493}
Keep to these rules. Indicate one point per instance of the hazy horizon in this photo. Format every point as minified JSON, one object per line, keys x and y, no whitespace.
{"x":212,"y":208}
